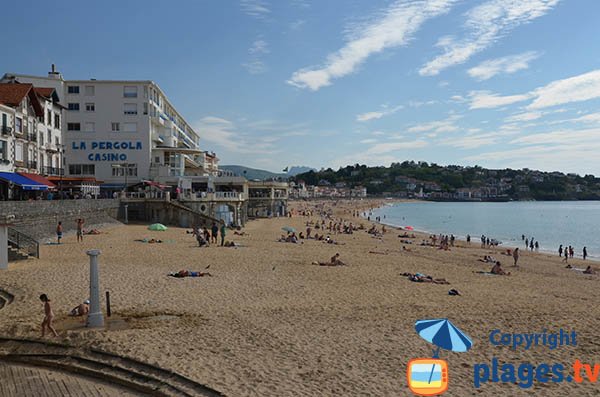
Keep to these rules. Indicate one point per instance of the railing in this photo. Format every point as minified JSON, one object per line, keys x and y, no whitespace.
{"x":53,"y":171}
{"x":228,"y":195}
{"x":32,"y":165}
{"x":6,"y":129}
{"x":32,"y":137}
{"x":23,"y":242}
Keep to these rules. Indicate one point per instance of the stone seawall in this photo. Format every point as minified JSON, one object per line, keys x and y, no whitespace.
{"x":38,"y":219}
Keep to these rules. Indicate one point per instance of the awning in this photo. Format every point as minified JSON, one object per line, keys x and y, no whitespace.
{"x":155,"y":184}
{"x":21,"y":181}
{"x":39,"y":179}
{"x":112,"y":186}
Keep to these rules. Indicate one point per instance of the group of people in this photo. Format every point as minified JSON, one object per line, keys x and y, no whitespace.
{"x":206,"y":236}
{"x":79,"y":225}
{"x":569,"y":252}
{"x":531,"y":243}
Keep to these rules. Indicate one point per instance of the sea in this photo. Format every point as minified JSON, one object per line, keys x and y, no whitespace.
{"x":551,"y":223}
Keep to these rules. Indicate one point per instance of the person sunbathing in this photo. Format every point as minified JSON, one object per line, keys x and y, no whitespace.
{"x":589,"y":270}
{"x":406,"y":249}
{"x":422,"y":278}
{"x":334,"y":261}
{"x":497,"y":269}
{"x":189,"y":273}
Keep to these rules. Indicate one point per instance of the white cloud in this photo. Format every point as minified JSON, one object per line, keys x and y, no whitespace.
{"x":369,"y":140}
{"x":296,"y":25}
{"x":561,"y":137}
{"x":436,"y":127}
{"x":485,"y":24}
{"x":378,"y":114}
{"x":472,"y":140}
{"x":225,"y":134}
{"x":387,"y":147}
{"x":527,"y":116}
{"x":259,"y":46}
{"x":255,"y":8}
{"x":393,"y":29}
{"x":255,"y":64}
{"x":574,"y":89}
{"x":509,"y":64}
{"x":488,"y":100}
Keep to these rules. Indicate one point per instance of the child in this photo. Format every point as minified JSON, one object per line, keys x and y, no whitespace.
{"x":48,"y":316}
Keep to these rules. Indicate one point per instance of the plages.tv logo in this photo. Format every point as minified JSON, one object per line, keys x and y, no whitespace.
{"x":429,"y":376}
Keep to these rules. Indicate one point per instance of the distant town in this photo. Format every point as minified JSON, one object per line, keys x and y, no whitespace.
{"x":420,"y":180}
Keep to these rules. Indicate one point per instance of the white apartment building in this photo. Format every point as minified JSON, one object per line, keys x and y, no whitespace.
{"x":123,"y":132}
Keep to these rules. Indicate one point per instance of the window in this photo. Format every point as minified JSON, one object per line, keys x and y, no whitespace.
{"x":56,"y":121}
{"x":115,"y":127}
{"x":130,"y":108}
{"x":3,"y":150}
{"x":49,"y":120}
{"x":145,"y":107}
{"x":129,"y":127}
{"x":49,"y":137}
{"x":124,"y":169}
{"x":90,"y":127}
{"x":90,"y":107}
{"x":82,"y":169}
{"x":74,"y":107}
{"x":90,"y":90}
{"x":57,"y":140}
{"x":18,"y":124}
{"x":73,"y":126}
{"x":19,"y":151}
{"x":73,"y":89}
{"x":130,"y":91}
{"x":41,"y":138}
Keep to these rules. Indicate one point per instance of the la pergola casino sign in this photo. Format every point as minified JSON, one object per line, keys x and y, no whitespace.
{"x":107,"y":150}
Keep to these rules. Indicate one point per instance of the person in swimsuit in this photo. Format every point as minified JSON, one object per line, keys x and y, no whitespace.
{"x":48,"y":315}
{"x":80,"y":223}
{"x":59,"y":232}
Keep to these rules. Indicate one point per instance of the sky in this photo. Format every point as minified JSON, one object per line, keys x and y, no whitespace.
{"x":330,"y":83}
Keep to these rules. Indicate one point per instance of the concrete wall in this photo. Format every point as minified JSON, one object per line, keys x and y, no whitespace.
{"x":38,"y":219}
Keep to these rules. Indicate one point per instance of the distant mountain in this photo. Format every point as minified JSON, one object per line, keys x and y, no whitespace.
{"x":299,"y":169}
{"x":253,"y":173}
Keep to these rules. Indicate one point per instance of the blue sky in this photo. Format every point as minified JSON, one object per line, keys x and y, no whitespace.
{"x":326,"y":83}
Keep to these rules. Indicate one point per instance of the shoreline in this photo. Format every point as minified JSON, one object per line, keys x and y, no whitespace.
{"x":592,"y":258}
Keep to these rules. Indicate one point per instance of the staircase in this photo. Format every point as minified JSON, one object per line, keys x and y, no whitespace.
{"x":21,"y":246}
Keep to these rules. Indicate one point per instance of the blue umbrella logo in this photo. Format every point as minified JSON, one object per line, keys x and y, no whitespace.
{"x":443,"y":334}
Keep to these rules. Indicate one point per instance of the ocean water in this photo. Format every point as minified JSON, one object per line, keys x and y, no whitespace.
{"x":551,"y":223}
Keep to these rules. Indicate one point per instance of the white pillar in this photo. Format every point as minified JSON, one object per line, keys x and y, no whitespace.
{"x":95,"y":317}
{"x":3,"y":246}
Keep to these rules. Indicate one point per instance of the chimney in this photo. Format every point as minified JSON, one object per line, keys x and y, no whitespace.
{"x":53,"y":74}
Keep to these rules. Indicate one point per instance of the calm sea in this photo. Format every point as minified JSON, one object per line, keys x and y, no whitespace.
{"x":551,"y":223}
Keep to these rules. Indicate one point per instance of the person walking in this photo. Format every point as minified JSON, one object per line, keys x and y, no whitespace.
{"x":584,"y":253}
{"x":59,"y":232}
{"x":48,"y":316}
{"x":223,"y":232}
{"x":516,"y":256}
{"x":560,"y":250}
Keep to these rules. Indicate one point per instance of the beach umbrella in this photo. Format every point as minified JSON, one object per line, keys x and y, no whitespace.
{"x":288,"y":229}
{"x":409,"y":228}
{"x":443,"y":334}
{"x":157,"y":227}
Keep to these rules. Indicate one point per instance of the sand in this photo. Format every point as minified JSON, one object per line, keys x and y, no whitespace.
{"x":271,"y":324}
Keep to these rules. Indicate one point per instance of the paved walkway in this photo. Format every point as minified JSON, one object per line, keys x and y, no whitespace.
{"x":18,"y":380}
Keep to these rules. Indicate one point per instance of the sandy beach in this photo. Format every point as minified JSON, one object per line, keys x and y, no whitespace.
{"x":269,"y":323}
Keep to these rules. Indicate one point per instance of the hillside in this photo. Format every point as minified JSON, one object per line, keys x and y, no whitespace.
{"x":456,"y":182}
{"x":252,"y":173}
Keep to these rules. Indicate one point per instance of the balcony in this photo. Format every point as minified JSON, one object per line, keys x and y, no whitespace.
{"x":53,"y":171}
{"x":32,"y":165}
{"x":6,"y":130}
{"x":32,"y":137}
